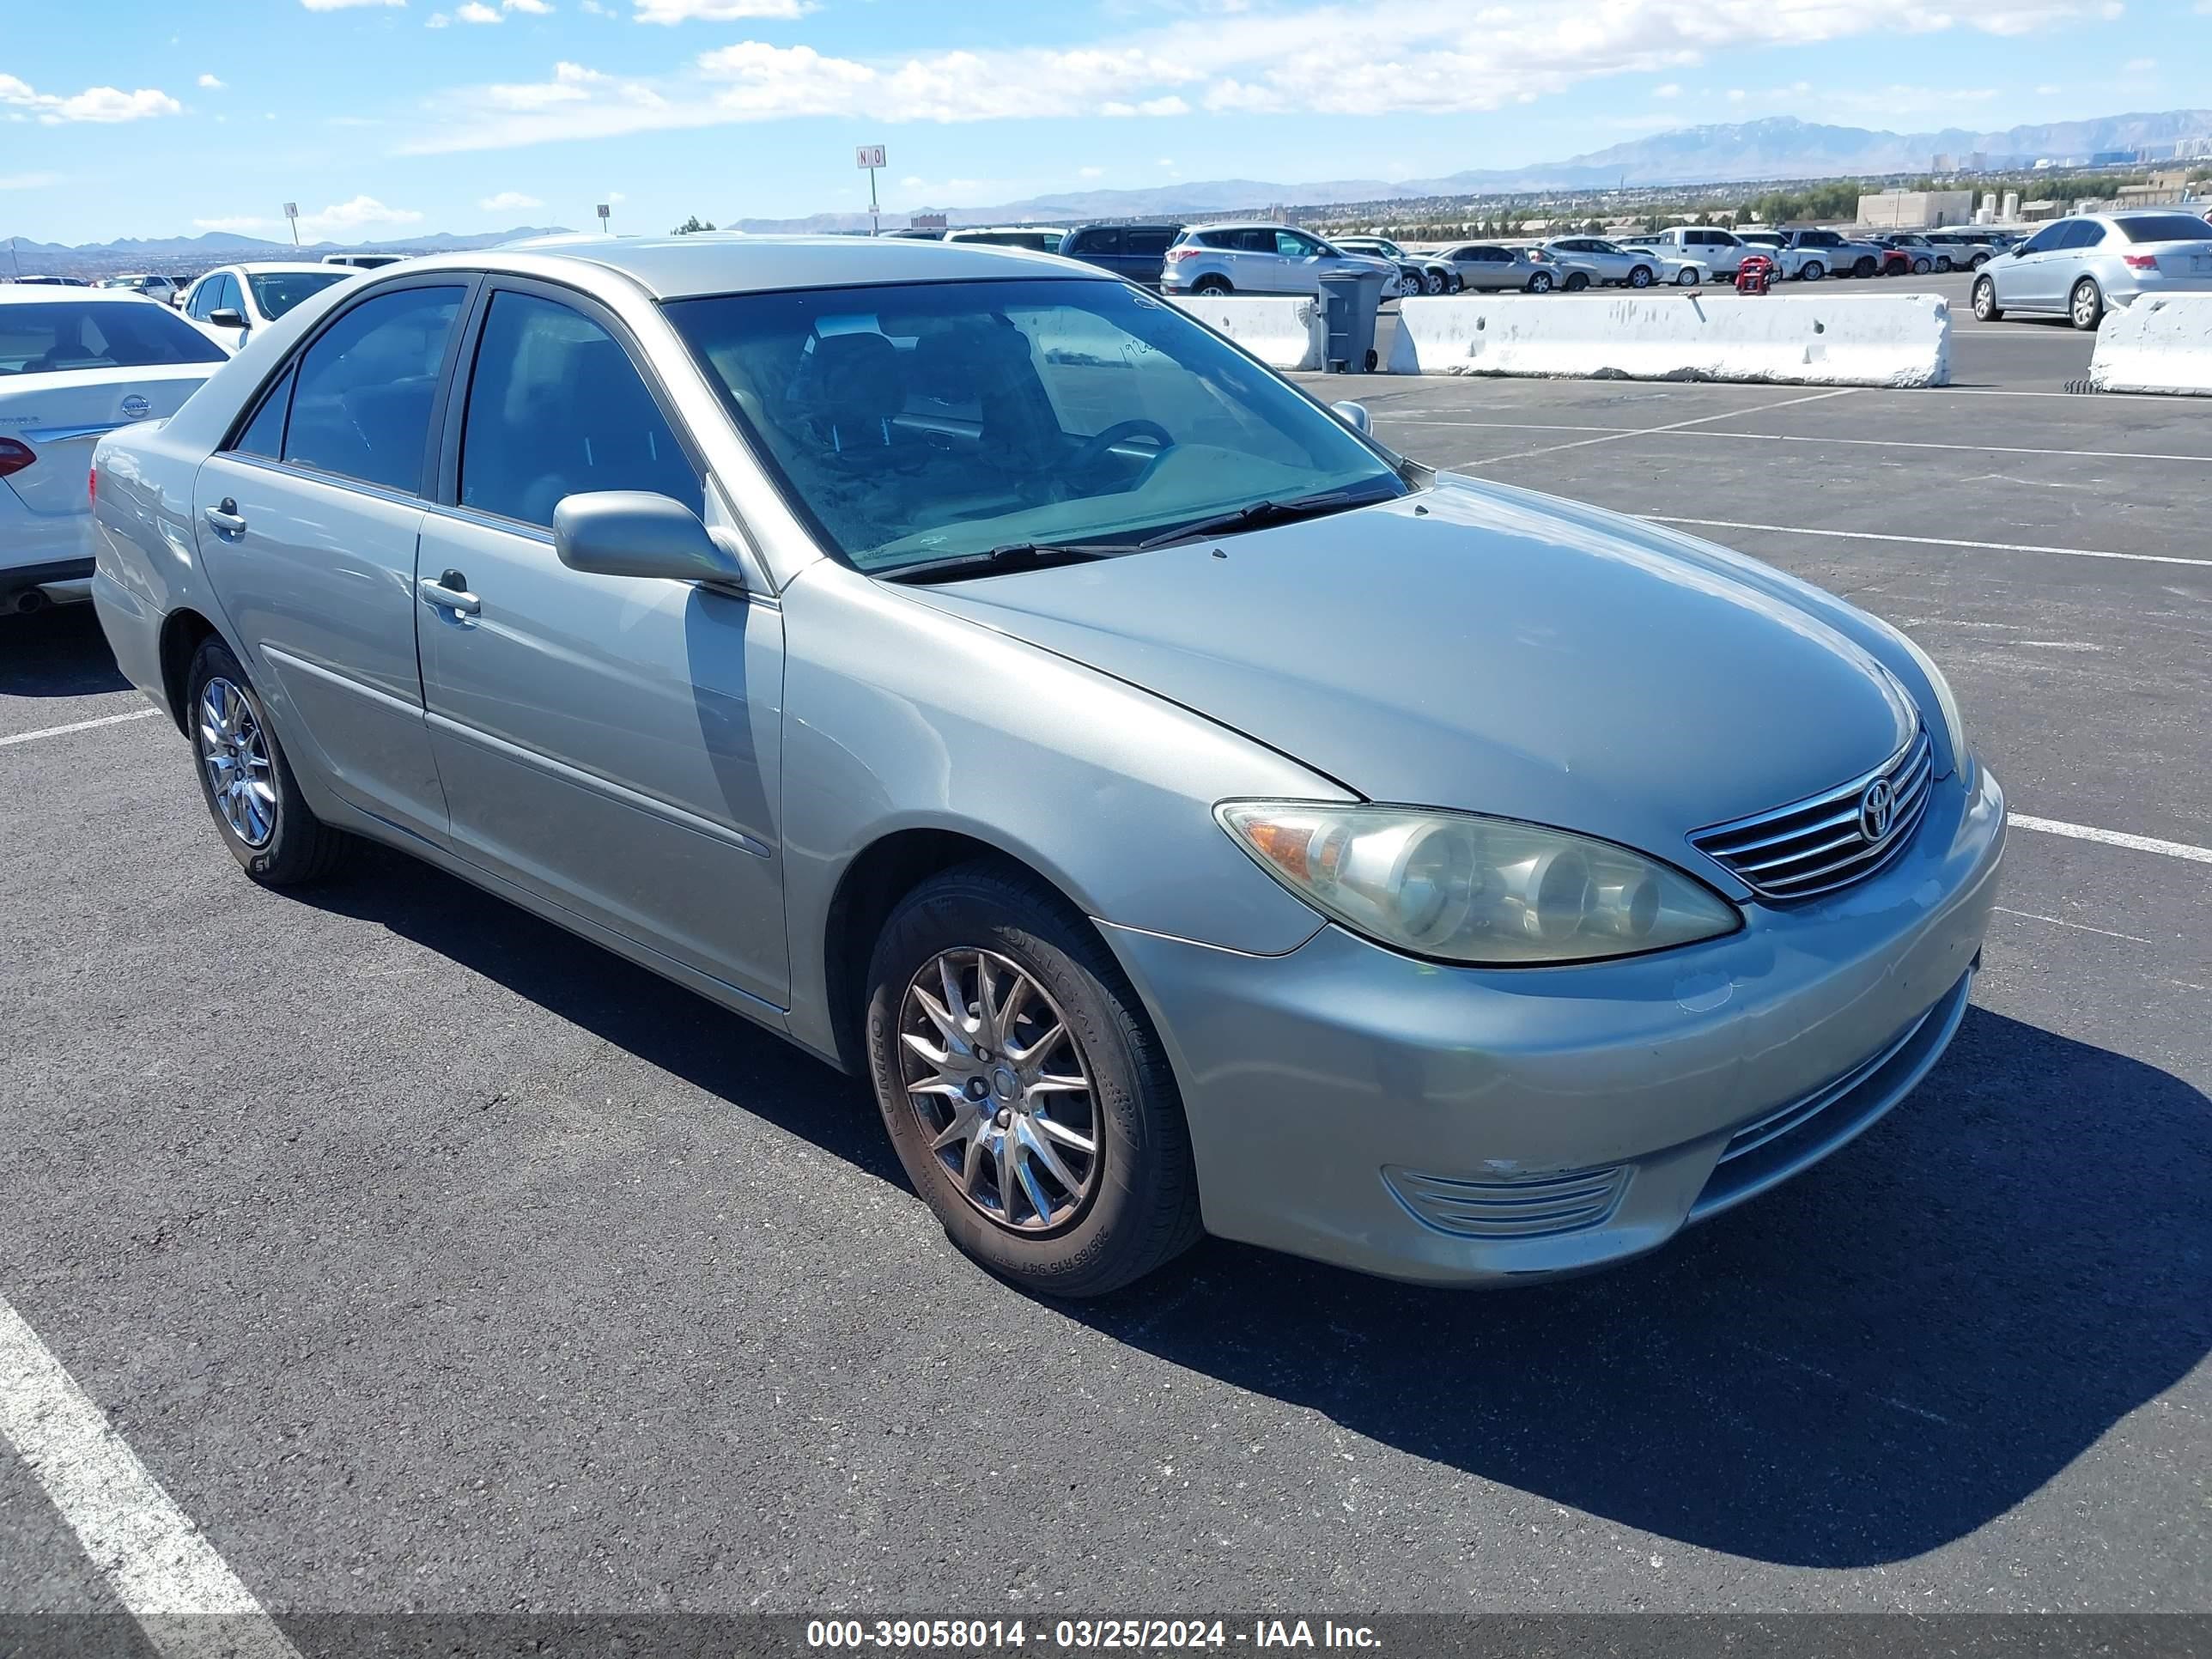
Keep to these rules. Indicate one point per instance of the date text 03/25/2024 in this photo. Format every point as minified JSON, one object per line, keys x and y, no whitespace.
{"x":1085,"y":1634}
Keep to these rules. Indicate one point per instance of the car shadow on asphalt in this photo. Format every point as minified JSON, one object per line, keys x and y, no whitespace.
{"x":56,"y":652}
{"x":1875,"y":1360}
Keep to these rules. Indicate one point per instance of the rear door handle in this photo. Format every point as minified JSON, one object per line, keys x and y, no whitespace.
{"x":456,"y":598}
{"x":226,"y":517}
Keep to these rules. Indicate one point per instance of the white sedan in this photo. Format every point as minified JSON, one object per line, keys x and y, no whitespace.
{"x":1676,"y":269}
{"x":74,"y":364}
{"x":231,"y":302}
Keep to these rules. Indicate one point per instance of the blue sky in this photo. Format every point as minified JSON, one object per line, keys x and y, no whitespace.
{"x":385,"y":117}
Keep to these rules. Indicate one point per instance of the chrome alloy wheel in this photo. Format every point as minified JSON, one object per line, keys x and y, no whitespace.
{"x":1002,"y":1090}
{"x":235,"y":754}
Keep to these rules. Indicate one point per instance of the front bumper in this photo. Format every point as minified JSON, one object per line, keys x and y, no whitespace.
{"x":1466,"y":1126}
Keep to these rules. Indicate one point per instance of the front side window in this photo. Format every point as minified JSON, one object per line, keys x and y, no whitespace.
{"x":275,"y":292}
{"x":49,"y":337}
{"x":361,"y":405}
{"x":1291,"y":246}
{"x":555,"y":408}
{"x":926,"y":422}
{"x":227,"y":297}
{"x":2044,"y":240}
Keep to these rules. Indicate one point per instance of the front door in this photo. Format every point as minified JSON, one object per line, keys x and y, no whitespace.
{"x":307,"y":523}
{"x":608,"y":744}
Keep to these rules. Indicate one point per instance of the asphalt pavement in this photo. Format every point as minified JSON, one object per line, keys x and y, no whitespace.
{"x":432,"y":1260}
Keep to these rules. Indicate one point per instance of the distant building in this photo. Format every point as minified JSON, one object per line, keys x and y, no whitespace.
{"x":925,"y":221}
{"x":2170,"y":188}
{"x":2113,"y":158}
{"x":2193,"y":149}
{"x":1917,"y":210}
{"x":2041,"y":208}
{"x":1943,"y":163}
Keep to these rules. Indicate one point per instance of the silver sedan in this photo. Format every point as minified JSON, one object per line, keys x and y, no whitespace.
{"x":1189,"y":813}
{"x":2080,"y":267}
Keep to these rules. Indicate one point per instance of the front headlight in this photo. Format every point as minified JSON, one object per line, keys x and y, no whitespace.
{"x":1475,"y":889}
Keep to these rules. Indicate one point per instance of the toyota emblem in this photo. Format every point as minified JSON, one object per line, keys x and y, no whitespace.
{"x":137,"y":407}
{"x":1877,"y":808}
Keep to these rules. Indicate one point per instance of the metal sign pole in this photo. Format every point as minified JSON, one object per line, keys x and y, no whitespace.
{"x":873,"y":156}
{"x":292,"y":215}
{"x":603,"y":210}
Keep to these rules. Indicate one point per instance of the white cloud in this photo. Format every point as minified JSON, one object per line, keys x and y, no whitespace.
{"x":2046,"y":91}
{"x":477,"y":12}
{"x":509,"y":200}
{"x":104,"y":104}
{"x":2139,"y":65}
{"x":340,"y":220}
{"x":437,"y":19}
{"x":1672,"y":89}
{"x":1100,"y":172}
{"x":717,"y":11}
{"x":210,"y":83}
{"x":28,"y":180}
{"x":347,"y":5}
{"x":530,"y":7}
{"x":1335,"y":57}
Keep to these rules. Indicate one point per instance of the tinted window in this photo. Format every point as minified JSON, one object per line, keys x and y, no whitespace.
{"x":2044,"y":240}
{"x":555,"y":408}
{"x":2166,"y":227}
{"x":200,"y":300}
{"x":937,"y":419}
{"x":275,"y":292}
{"x":226,"y":296}
{"x":1291,"y":246}
{"x":130,"y":333}
{"x":264,"y":433}
{"x":362,"y":407}
{"x":1148,"y":239}
{"x":1098,"y":241}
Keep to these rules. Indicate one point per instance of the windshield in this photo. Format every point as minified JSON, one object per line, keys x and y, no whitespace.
{"x":276,"y":292}
{"x":53,"y":336}
{"x":925,"y":422}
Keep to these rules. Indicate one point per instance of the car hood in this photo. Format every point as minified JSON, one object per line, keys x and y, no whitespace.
{"x":1489,"y":649}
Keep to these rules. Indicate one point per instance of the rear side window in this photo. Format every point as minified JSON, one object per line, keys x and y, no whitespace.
{"x":264,"y":433}
{"x":361,"y":405}
{"x":2166,"y":227}
{"x":133,"y":333}
{"x":1098,"y":241}
{"x":1147,"y":239}
{"x":555,"y":408}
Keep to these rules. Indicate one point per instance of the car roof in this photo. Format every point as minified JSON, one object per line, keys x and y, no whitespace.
{"x":262,"y":267}
{"x":1245,"y":224}
{"x":716,"y":262}
{"x":49,"y":293}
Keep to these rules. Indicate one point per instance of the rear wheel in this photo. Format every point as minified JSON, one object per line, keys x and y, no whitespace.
{"x":2086,"y":308}
{"x":1865,"y":267}
{"x":1986,"y":300}
{"x":1943,"y":262}
{"x":1811,"y":272}
{"x":1540,"y":282}
{"x":1687,"y":278}
{"x":1922,"y":267}
{"x":246,"y":782}
{"x":1978,"y":262}
{"x":1024,"y":1087}
{"x":1210,"y":285}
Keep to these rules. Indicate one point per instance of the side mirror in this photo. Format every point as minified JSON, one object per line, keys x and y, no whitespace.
{"x":631,"y":532}
{"x":1353,"y":415}
{"x":227,"y":317}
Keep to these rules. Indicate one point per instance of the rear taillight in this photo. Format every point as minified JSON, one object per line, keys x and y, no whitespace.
{"x":15,"y":456}
{"x":1183,"y":253}
{"x":2139,"y":261}
{"x":92,"y":484}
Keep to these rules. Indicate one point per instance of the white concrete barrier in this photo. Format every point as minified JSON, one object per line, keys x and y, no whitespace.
{"x":1282,"y":331}
{"x":2162,"y":343}
{"x":1873,"y":339}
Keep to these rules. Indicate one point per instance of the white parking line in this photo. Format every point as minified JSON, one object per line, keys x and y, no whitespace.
{"x":2173,"y":849}
{"x":163,"y":1571}
{"x":2061,"y":921}
{"x":1800,"y":438}
{"x":1924,"y":541}
{"x":77,"y":726}
{"x":1646,"y":431}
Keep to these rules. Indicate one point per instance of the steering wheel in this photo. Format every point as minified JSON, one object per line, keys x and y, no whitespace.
{"x":1093,"y":448}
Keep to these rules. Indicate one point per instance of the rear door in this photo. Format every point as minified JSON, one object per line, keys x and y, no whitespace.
{"x":608,"y":744}
{"x":1144,"y":249}
{"x":308,"y":520}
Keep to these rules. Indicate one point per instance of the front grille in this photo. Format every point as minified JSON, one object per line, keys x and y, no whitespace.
{"x":1561,"y":1202}
{"x":1819,"y":845}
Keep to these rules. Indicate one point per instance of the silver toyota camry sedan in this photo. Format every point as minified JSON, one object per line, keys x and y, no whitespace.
{"x":1189,"y":814}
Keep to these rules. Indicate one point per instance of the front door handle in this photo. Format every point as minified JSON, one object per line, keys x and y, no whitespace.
{"x":225,"y":517}
{"x":450,"y":592}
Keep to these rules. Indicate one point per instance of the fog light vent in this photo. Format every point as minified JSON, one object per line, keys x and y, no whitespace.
{"x":1495,"y":1207}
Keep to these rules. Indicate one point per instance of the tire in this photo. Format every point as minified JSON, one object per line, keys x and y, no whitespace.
{"x":1687,"y":278}
{"x":1922,"y":267}
{"x":262,"y":817}
{"x":1865,"y":267}
{"x":2085,"y":307}
{"x":1432,"y":281}
{"x":1811,"y":272}
{"x":1978,"y":262}
{"x":1540,"y":282}
{"x":1639,"y":276}
{"x":1131,"y":1206}
{"x":1576,"y":282}
{"x":1986,"y":300}
{"x":1210,"y":285}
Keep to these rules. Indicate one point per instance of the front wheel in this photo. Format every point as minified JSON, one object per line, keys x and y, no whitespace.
{"x":2086,"y":309}
{"x":1943,"y":262}
{"x":1811,"y":272}
{"x":1985,"y":301}
{"x":1687,"y":278}
{"x":1024,"y":1087}
{"x":1865,"y":268}
{"x":1921,"y":267}
{"x":1576,"y":283}
{"x":246,"y":782}
{"x":1640,"y":277}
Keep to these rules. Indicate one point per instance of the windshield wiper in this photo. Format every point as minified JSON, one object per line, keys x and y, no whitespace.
{"x":1014,"y":556}
{"x":1261,"y":514}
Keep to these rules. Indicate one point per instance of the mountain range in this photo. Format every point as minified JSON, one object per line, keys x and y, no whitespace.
{"x":217,"y":247}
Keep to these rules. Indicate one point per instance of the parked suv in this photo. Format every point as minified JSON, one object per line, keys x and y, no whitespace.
{"x":1132,"y":251}
{"x":1963,"y":250}
{"x":1594,"y":260}
{"x":1721,"y":250}
{"x":2080,"y":267}
{"x":1831,"y":253}
{"x":1247,"y":258}
{"x":1422,"y":273}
